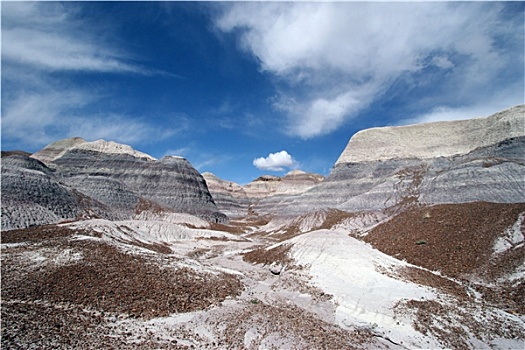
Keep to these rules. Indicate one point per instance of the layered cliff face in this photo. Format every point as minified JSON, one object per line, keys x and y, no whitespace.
{"x":33,"y":195}
{"x":236,"y":200}
{"x":394,"y":168}
{"x":433,"y":140}
{"x":115,"y":176}
{"x":230,"y":197}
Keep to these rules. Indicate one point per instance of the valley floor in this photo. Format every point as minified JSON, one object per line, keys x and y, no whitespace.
{"x":158,"y":285}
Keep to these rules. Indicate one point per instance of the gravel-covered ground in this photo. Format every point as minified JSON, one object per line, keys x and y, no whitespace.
{"x":69,"y":289}
{"x":66,"y":288}
{"x":458,"y":241}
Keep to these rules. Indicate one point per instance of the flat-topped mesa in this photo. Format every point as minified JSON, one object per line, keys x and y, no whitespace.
{"x":437,"y":139}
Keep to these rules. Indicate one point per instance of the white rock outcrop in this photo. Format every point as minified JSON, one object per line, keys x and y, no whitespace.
{"x":57,"y":149}
{"x":430,"y":140}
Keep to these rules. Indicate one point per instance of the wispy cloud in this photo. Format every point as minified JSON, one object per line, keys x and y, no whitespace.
{"x":50,"y":37}
{"x":446,"y":113}
{"x":38,"y":118}
{"x":275,"y":161}
{"x":335,"y":59}
{"x":41,"y":44}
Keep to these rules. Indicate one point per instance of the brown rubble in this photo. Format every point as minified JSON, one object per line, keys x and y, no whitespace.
{"x":455,"y":239}
{"x":107,"y":278}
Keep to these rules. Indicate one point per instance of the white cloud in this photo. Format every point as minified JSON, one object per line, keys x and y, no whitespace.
{"x":275,"y":161}
{"x":38,"y":118}
{"x":39,"y":106}
{"x":338,"y":58}
{"x":445,"y":113}
{"x":442,"y":62}
{"x":47,"y":37}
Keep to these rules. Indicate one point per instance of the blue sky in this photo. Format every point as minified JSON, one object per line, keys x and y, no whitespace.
{"x":243,"y":89}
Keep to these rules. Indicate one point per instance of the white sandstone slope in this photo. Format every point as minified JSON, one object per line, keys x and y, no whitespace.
{"x":429,"y":140}
{"x":147,"y":231}
{"x":57,"y":149}
{"x":371,"y":291}
{"x":110,"y":147}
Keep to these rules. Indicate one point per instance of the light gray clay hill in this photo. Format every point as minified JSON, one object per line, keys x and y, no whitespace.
{"x":237,"y":201}
{"x":112,"y":175}
{"x":479,"y":159}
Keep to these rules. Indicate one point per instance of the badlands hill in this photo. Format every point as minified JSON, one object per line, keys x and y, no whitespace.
{"x":237,"y":201}
{"x":414,"y":240}
{"x":425,"y":164}
{"x":74,"y":178}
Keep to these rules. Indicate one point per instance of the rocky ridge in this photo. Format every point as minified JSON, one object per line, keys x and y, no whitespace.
{"x":433,"y":140}
{"x":33,"y":195}
{"x":236,"y":200}
{"x":112,"y":176}
{"x":439,"y":173}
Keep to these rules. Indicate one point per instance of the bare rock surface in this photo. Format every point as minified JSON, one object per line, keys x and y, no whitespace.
{"x":236,"y":200}
{"x":493,"y":172}
{"x":73,"y":177}
{"x":57,"y":149}
{"x":472,"y":242}
{"x":33,"y":195}
{"x":431,"y":140}
{"x":230,"y":197}
{"x":74,"y":286}
{"x":407,"y":252}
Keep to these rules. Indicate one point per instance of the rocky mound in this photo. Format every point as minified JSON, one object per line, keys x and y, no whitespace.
{"x":115,"y":176}
{"x":456,"y":239}
{"x":371,"y":175}
{"x":230,"y":197}
{"x":481,"y":244}
{"x":33,"y":195}
{"x":236,"y":200}
{"x":432,"y":140}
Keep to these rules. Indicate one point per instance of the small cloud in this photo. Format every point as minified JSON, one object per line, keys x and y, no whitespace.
{"x":225,"y":107}
{"x":275,"y":161}
{"x":442,"y":62}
